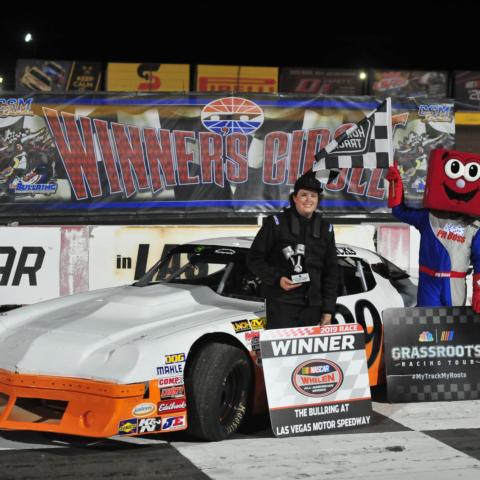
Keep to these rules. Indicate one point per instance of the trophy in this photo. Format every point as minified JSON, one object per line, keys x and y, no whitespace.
{"x":295,"y":256}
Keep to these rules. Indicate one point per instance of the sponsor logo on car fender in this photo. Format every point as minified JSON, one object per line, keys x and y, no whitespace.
{"x":165,"y":382}
{"x":143,"y":410}
{"x":174,"y":358}
{"x":169,"y":370}
{"x":172,"y":406}
{"x":126,"y":427}
{"x":150,"y":425}
{"x":172,"y":392}
{"x":247,"y":325}
{"x":173,"y":423}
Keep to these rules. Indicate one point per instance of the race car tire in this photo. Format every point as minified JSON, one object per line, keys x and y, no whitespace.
{"x":217,"y":386}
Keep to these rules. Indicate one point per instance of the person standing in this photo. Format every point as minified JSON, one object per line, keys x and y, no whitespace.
{"x":294,"y":256}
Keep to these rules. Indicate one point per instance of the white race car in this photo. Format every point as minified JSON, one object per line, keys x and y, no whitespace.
{"x":181,"y":343}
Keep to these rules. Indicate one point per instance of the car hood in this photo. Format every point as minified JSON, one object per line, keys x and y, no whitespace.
{"x":102,"y":334}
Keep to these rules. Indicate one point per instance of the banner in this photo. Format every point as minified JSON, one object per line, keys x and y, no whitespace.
{"x":57,"y":76}
{"x":29,"y":265}
{"x":235,"y":78}
{"x":467,"y":91}
{"x":408,"y":83}
{"x":432,"y":354}
{"x":148,"y":77}
{"x":161,"y":156}
{"x":317,"y":81}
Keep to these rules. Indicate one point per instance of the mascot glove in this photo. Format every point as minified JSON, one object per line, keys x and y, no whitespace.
{"x":395,"y":192}
{"x":476,"y":293}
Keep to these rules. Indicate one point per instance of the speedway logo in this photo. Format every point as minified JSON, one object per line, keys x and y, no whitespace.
{"x":232,"y":115}
{"x":34,"y":188}
{"x":317,"y":378}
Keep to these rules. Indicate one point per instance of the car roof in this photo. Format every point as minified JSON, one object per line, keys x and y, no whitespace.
{"x":343,"y":249}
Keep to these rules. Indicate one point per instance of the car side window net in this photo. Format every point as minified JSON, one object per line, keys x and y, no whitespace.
{"x":355,"y":276}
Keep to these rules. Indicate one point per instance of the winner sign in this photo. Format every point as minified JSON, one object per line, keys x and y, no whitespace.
{"x":316,"y":378}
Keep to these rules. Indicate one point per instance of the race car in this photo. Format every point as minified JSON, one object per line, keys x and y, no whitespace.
{"x":177,"y":349}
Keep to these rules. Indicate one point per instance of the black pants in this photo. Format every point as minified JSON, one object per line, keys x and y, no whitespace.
{"x":286,"y":315}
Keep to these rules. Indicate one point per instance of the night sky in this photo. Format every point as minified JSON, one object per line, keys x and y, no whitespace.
{"x":444,"y":37}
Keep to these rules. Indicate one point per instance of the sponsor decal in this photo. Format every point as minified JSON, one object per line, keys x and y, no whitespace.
{"x":249,"y":336}
{"x":241,"y":326}
{"x":169,"y":370}
{"x":165,"y":382}
{"x":174,"y":358}
{"x":172,"y":392}
{"x":425,"y":337}
{"x":127,"y":427}
{"x":317,"y":378}
{"x":258,"y":323}
{"x":150,"y":425}
{"x":173,"y":423}
{"x":143,"y":410}
{"x":247,"y":325}
{"x":253,"y":338}
{"x":172,"y":406}
{"x":345,"y":251}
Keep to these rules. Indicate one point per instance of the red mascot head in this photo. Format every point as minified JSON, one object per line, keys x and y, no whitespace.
{"x":453,"y":182}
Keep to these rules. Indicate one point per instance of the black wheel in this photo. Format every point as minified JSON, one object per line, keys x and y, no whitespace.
{"x":218,"y":385}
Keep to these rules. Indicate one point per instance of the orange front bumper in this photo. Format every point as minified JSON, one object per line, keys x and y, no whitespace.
{"x":69,"y":405}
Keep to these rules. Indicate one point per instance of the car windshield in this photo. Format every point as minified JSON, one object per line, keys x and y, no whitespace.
{"x":221,"y":268}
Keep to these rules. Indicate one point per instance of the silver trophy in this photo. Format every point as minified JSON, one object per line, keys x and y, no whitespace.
{"x":295,"y":256}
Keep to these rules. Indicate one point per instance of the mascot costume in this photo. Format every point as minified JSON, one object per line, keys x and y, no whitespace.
{"x":449,"y":226}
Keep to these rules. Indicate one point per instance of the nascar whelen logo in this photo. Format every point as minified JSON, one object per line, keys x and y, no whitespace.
{"x":317,"y":378}
{"x":232,"y":115}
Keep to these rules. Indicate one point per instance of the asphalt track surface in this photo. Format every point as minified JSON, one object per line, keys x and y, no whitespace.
{"x":434,"y":440}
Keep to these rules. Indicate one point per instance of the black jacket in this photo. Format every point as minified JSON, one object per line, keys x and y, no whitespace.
{"x":267,"y":261}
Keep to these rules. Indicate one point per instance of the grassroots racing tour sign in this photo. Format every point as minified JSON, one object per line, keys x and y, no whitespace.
{"x":170,"y":154}
{"x":316,"y":379}
{"x":432,"y":354}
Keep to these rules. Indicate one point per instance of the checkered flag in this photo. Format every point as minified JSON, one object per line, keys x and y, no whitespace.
{"x":367,"y":144}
